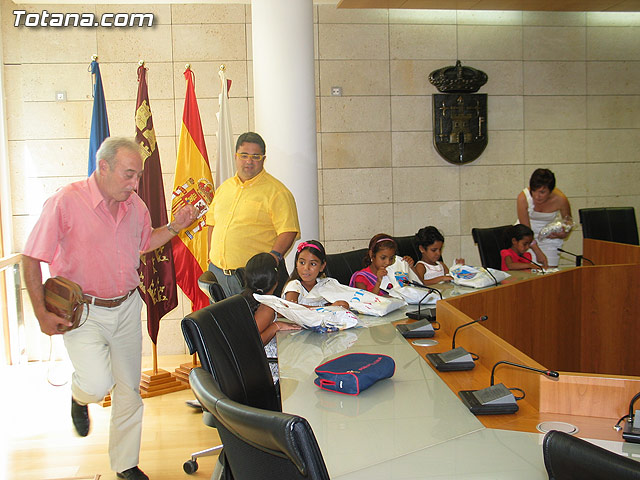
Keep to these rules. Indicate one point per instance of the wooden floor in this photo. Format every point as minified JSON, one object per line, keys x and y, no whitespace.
{"x":38,"y":442}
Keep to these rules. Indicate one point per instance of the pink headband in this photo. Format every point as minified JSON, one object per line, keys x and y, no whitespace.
{"x":385,"y":239}
{"x":307,"y":244}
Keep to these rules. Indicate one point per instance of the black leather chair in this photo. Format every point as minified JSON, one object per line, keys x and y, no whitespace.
{"x":208,"y":283}
{"x":407,"y":247}
{"x":490,"y":241}
{"x":613,"y":224}
{"x":342,"y":266}
{"x":570,"y":458}
{"x":226,"y":339}
{"x":260,"y":444}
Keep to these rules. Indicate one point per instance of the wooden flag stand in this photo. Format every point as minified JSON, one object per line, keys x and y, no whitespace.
{"x":156,"y":381}
{"x":182,"y":372}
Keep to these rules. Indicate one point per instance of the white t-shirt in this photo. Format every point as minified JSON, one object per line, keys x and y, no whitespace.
{"x":296,"y":286}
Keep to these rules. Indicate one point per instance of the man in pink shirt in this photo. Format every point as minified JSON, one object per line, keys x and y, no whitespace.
{"x":92,"y":232}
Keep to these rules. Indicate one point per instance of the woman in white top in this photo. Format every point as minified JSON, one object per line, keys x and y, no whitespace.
{"x":538,"y":206}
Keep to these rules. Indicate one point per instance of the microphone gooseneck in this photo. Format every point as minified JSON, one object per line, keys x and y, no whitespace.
{"x":577,"y":256}
{"x":548,"y":373}
{"x":491,"y":274}
{"x":419,"y":285}
{"x":531,"y":261}
{"x":453,"y":340}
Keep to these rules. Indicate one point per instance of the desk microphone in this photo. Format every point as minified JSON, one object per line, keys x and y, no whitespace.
{"x":579,"y":258}
{"x":531,"y":261}
{"x":416,"y":315}
{"x":497,"y":399}
{"x":456,"y":359}
{"x":491,"y":274}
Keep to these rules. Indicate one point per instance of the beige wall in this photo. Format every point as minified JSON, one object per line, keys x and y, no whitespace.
{"x":563,"y":93}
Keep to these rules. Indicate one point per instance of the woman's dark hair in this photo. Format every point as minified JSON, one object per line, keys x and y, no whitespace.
{"x":377,"y":243}
{"x":428,"y":236}
{"x":518,"y":232}
{"x":316,"y":248}
{"x":542,"y":177}
{"x":261,"y":273}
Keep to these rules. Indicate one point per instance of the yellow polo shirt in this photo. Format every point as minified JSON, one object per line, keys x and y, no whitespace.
{"x":247,"y":217}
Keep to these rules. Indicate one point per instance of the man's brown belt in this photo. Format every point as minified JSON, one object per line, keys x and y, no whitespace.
{"x":108,"y":303}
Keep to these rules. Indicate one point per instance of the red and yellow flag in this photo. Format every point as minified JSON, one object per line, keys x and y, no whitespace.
{"x":157,"y":273}
{"x":193,"y":184}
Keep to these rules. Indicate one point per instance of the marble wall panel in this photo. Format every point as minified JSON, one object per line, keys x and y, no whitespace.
{"x":422,"y":42}
{"x":489,"y":182}
{"x":409,"y":217}
{"x":484,"y":42}
{"x":365,"y":42}
{"x":556,"y":146}
{"x":555,"y":112}
{"x":355,"y":114}
{"x":554,"y":43}
{"x":348,"y":186}
{"x":613,"y":111}
{"x":422,"y":184}
{"x":354,"y":222}
{"x":555,"y":78}
{"x":356,"y":77}
{"x":356,"y":150}
{"x":415,"y":149}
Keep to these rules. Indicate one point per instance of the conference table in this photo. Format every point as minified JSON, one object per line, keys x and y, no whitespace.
{"x":413,"y":425}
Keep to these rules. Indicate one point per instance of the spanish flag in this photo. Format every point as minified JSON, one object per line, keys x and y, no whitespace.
{"x":193,"y":184}
{"x":157,"y":273}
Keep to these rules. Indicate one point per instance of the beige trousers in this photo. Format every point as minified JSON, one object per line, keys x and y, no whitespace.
{"x":106,"y":352}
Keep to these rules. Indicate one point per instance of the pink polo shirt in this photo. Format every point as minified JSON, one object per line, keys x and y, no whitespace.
{"x":82,"y":241}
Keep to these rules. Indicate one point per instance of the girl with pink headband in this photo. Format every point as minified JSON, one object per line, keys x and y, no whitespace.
{"x":310,"y":264}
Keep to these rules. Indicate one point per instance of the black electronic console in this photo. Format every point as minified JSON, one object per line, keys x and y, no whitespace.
{"x":419,"y":329}
{"x":452,"y":360}
{"x":456,"y":359}
{"x":631,"y":431}
{"x":495,"y":400}
{"x":427,"y":313}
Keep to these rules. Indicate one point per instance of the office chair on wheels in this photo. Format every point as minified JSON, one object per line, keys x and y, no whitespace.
{"x":570,"y":458}
{"x":225,"y":336}
{"x":260,"y":444}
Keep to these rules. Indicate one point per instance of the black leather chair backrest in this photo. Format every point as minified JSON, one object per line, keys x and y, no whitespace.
{"x":225,"y":336}
{"x":260,"y":444}
{"x":407,"y":247}
{"x":342,"y":265}
{"x":613,"y":224}
{"x":570,"y":458}
{"x":208,"y":283}
{"x":490,"y":241}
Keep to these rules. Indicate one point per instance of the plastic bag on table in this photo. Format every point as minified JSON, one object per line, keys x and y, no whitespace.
{"x":414,"y":295}
{"x":323,"y":319}
{"x":468,"y":276}
{"x":559,"y":225}
{"x":358,"y":299}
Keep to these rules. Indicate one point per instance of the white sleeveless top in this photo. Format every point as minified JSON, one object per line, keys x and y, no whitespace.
{"x":549,"y":246}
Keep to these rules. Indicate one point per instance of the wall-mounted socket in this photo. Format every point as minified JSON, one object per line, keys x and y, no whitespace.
{"x":61,"y":96}
{"x":336,"y":91}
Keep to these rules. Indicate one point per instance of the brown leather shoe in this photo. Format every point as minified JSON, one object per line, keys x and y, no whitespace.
{"x":80,"y":417}
{"x":133,"y":473}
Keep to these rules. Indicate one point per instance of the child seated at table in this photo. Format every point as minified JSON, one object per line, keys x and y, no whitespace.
{"x":517,"y":257}
{"x":430,"y":268}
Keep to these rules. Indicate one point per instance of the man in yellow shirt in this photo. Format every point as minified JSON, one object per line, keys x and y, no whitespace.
{"x":252,"y":212}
